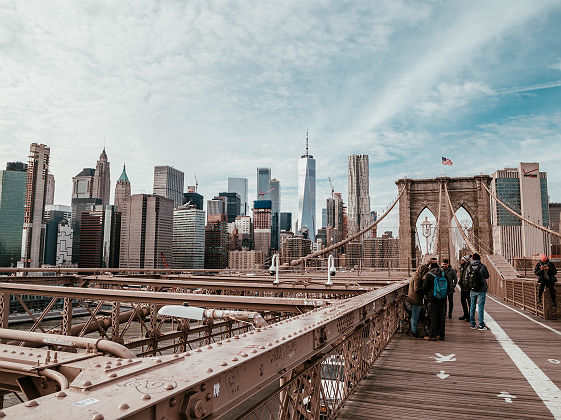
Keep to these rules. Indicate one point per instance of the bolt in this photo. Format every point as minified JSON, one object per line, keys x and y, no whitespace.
{"x":254,"y":351}
{"x":60,"y":394}
{"x":269,"y":344}
{"x":219,"y":343}
{"x":97,"y":417}
{"x":129,"y":360}
{"x":97,"y":365}
{"x":169,"y":387}
{"x":237,"y":337}
{"x":119,"y":359}
{"x":112,"y":375}
{"x":187,"y":354}
{"x":31,"y":403}
{"x":198,"y":350}
{"x":158,"y":361}
{"x":146,"y":397}
{"x":208,"y":396}
{"x":209,"y":370}
{"x":234,"y":359}
{"x":209,"y":346}
{"x":223,"y":364}
{"x":123,"y":406}
{"x":86,"y":383}
{"x":261,"y":347}
{"x":244,"y":354}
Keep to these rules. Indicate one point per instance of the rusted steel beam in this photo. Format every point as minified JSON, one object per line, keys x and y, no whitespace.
{"x":213,"y":380}
{"x":165,"y":298}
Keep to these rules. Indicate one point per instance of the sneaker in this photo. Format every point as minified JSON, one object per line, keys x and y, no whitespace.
{"x":467,"y":320}
{"x":482,"y":328}
{"x":449,"y":316}
{"x":473,"y":327}
{"x":462,"y":318}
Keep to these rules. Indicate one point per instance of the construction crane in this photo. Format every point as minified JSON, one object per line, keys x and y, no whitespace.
{"x":331,"y":185}
{"x":166,"y":265}
{"x":261,"y":194}
{"x":196,"y":183}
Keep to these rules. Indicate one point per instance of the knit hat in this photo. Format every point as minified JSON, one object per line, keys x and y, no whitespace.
{"x":543,"y":257}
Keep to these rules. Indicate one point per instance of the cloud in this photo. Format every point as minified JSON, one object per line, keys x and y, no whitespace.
{"x":556,"y":64}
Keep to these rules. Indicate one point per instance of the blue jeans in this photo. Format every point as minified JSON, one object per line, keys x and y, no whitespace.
{"x":415,"y":311}
{"x":479,"y":298}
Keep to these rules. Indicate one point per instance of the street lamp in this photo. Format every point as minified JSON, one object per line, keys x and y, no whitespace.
{"x":426,"y":227}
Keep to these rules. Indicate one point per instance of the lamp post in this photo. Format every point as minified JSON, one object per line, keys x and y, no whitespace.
{"x":426,"y":227}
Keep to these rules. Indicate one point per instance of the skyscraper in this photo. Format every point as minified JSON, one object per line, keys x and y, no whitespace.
{"x":286,"y":222}
{"x":307,"y":192}
{"x":275,"y":197}
{"x":193,"y":198}
{"x":54,"y":215}
{"x":233,"y":205}
{"x":216,"y":206}
{"x":168,"y":182}
{"x":100,"y":237}
{"x":33,"y":235}
{"x":50,"y":189}
{"x":262,"y":225}
{"x":263,"y":179}
{"x":122,"y":190}
{"x":239,"y":185}
{"x":359,"y":193}
{"x":102,"y":179}
{"x":12,"y":208}
{"x":188,"y":238}
{"x":334,"y":222}
{"x":82,"y":184}
{"x":216,"y":242}
{"x":79,"y":206}
{"x":146,"y":231}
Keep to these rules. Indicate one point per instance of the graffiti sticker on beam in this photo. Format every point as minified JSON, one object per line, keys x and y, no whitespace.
{"x":346,"y":322}
{"x":86,"y":402}
{"x":57,"y":341}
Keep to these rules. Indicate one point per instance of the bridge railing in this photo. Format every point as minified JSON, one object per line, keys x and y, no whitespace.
{"x":521,"y":292}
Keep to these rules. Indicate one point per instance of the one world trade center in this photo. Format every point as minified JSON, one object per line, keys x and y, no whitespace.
{"x":307,"y":193}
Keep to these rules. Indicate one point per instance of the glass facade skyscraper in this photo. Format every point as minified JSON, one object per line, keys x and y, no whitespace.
{"x":168,"y":182}
{"x":307,"y":193}
{"x":188,"y":248}
{"x":359,"y":193}
{"x":239,"y":185}
{"x":263,"y":179}
{"x":12,"y":207}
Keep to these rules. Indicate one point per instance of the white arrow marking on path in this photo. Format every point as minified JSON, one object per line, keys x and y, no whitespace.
{"x":508,"y":398}
{"x":442,"y":375}
{"x":440,"y":358}
{"x":554,"y":361}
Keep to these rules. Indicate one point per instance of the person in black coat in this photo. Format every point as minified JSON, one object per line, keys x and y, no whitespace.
{"x":546,"y":271}
{"x":437,"y":307}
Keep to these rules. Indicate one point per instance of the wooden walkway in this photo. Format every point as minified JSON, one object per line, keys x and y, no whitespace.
{"x":470,"y":375}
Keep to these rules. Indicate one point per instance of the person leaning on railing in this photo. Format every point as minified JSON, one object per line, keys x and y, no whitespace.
{"x":546,"y":271}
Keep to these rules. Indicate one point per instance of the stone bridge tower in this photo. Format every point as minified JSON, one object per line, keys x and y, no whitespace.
{"x":419,"y":194}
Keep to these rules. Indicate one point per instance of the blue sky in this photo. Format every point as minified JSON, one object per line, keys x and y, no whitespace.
{"x":220,"y":88}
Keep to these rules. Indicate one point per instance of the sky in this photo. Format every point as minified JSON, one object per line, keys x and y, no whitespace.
{"x":219,"y":88}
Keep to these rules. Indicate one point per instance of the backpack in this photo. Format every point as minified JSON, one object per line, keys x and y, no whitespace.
{"x":475,"y":280}
{"x":440,"y":290}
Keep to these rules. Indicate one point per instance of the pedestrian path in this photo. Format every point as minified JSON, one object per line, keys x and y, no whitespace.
{"x":511,"y":371}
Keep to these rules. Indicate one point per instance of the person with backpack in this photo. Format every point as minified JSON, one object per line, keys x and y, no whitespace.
{"x":477,"y":275}
{"x":435,"y":288}
{"x":464,"y":288}
{"x":546,"y":271}
{"x":415,"y":297}
{"x":452,"y":278}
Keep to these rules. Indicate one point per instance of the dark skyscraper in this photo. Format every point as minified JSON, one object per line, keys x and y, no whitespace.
{"x":233,"y":205}
{"x":193,"y":198}
{"x":12,"y":207}
{"x":102,"y":180}
{"x":286,"y":222}
{"x":79,"y":206}
{"x":54,"y":215}
{"x":100,"y":237}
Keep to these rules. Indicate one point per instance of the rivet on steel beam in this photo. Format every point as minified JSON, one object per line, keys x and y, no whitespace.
{"x":198,"y":350}
{"x":203,"y":387}
{"x":219,"y":343}
{"x":172,"y":402}
{"x":276,"y":341}
{"x":86,"y":383}
{"x":169,"y":387}
{"x":157,"y":360}
{"x":187,"y":354}
{"x":283,"y":338}
{"x":244,"y":354}
{"x":261,"y":347}
{"x":30,"y":354}
{"x":224,"y":363}
{"x":2,"y":414}
{"x":97,"y":365}
{"x":254,"y":351}
{"x":209,"y":370}
{"x":209,"y":346}
{"x":175,"y":356}
{"x":118,"y":364}
{"x":234,"y":359}
{"x":123,"y":406}
{"x":245,"y":335}
{"x":227,"y":341}
{"x":97,"y":417}
{"x":31,"y":403}
{"x":258,"y":330}
{"x":146,"y":397}
{"x":21,"y":352}
{"x":119,"y":359}
{"x":112,"y":375}
{"x":129,"y":360}
{"x":60,"y":394}
{"x":237,"y":337}
{"x":4,"y":351}
{"x":289,"y":335}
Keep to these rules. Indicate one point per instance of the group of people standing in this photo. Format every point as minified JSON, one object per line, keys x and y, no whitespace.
{"x":434,"y":285}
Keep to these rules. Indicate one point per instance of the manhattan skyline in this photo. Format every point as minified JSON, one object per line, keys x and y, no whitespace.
{"x":220,"y":91}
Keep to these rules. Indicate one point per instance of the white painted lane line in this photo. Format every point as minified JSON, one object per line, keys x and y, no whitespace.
{"x":538,"y":380}
{"x":525,"y":316}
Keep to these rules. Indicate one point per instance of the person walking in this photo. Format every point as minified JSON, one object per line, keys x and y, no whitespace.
{"x":452,"y":278}
{"x":477,"y":275}
{"x":435,"y":288}
{"x":415,"y":297}
{"x":464,"y":289}
{"x":546,"y":271}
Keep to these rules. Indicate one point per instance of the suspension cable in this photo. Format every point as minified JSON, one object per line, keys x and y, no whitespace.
{"x":464,"y":236}
{"x":349,"y":239}
{"x":519,"y":215}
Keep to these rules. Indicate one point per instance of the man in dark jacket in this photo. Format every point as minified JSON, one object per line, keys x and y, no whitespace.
{"x":477,"y":275}
{"x":464,"y":288}
{"x":452,"y":278}
{"x":546,"y":271}
{"x":437,"y":307}
{"x":415,"y":297}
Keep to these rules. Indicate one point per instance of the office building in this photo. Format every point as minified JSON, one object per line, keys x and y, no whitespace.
{"x":100,"y":237}
{"x":359,"y":194}
{"x":168,"y":182}
{"x":381,"y":252}
{"x":146,"y":231}
{"x":64,"y":244}
{"x":245,"y":260}
{"x":286,"y":222}
{"x":193,"y":198}
{"x":554,"y":224}
{"x":275,"y":197}
{"x":216,"y":242}
{"x":54,"y":215}
{"x":524,"y":190}
{"x":50,"y":190}
{"x":295,"y":247}
{"x":188,"y":249}
{"x":352,"y":258}
{"x":307,"y":193}
{"x":79,"y":206}
{"x":262,"y":225}
{"x":82,"y":184}
{"x":239,"y":185}
{"x":263,"y":179}
{"x":244,"y":226}
{"x":122,"y":190}
{"x":216,"y":206}
{"x":233,"y":205}
{"x":13,"y":183}
{"x":334,"y":218}
{"x":33,"y":236}
{"x":102,"y":180}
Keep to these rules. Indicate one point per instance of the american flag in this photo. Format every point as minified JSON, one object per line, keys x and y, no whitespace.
{"x":446,"y":161}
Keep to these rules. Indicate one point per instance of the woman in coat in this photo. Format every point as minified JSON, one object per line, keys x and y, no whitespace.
{"x":415,"y":297}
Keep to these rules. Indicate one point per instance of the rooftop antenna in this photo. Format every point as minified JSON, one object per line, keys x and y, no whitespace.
{"x":306,"y":142}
